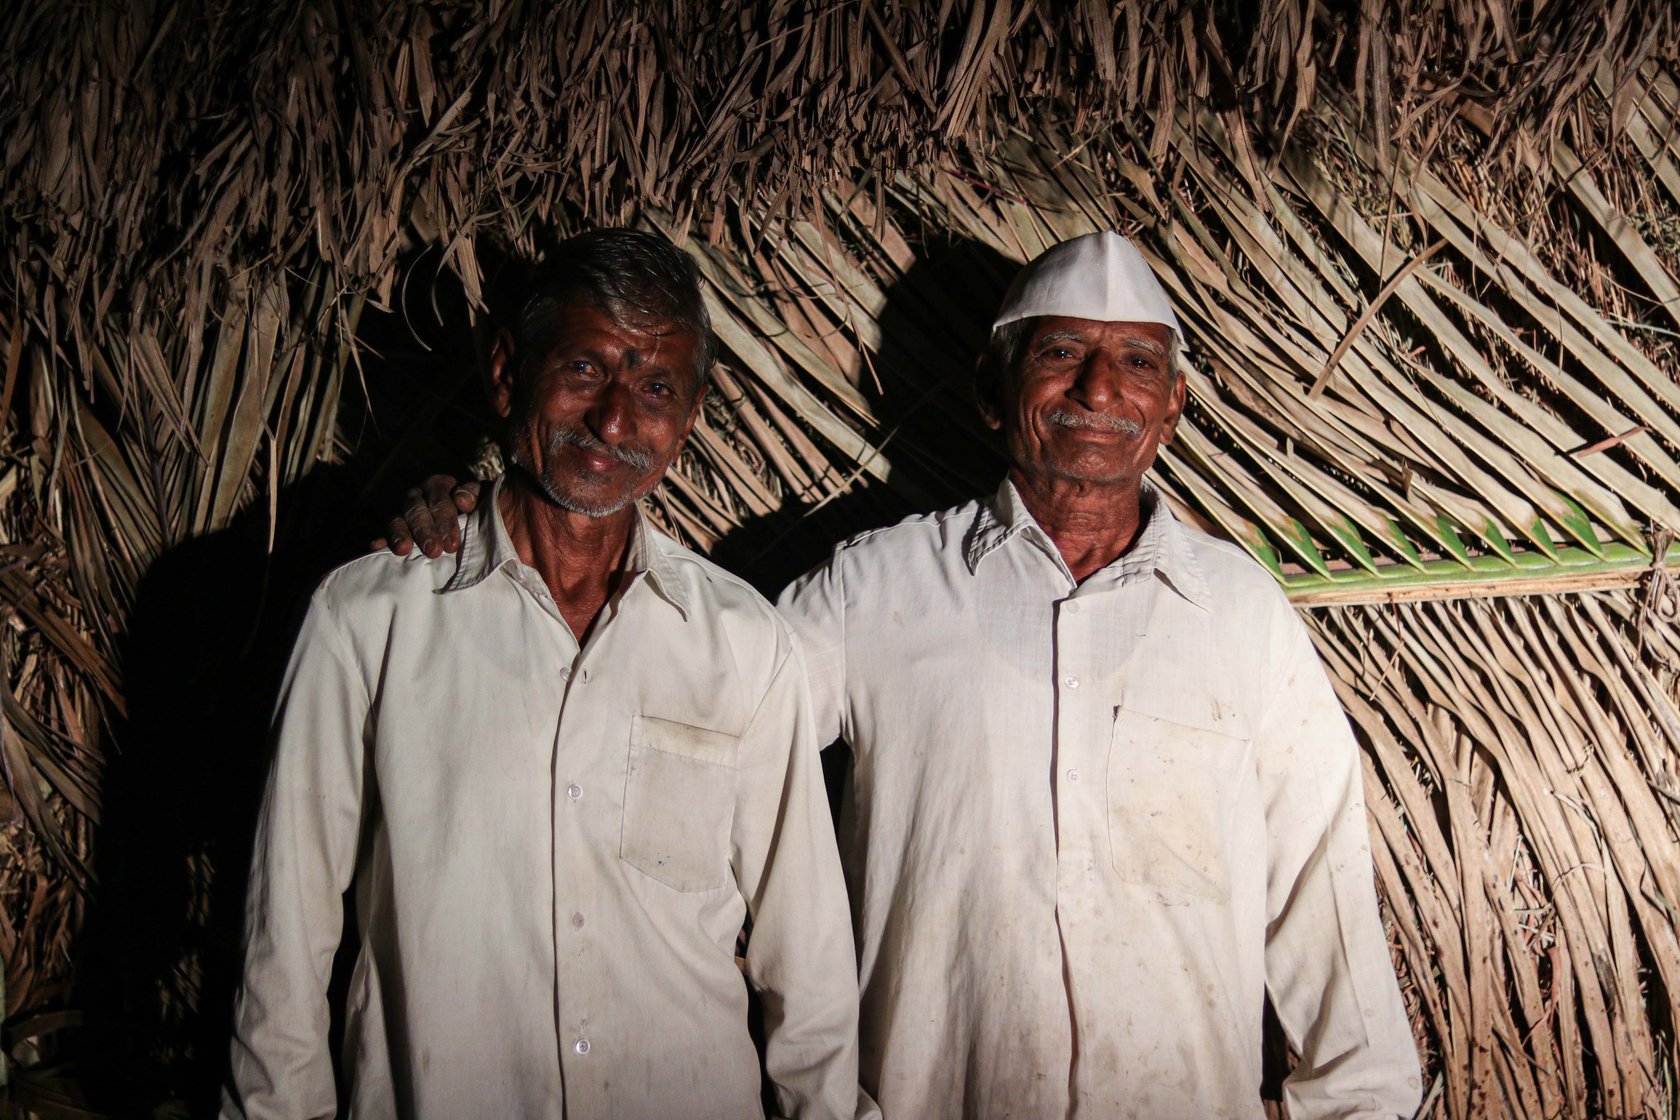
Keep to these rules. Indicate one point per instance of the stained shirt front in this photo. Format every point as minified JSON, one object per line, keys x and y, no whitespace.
{"x":1092,"y":825}
{"x":553,"y":850}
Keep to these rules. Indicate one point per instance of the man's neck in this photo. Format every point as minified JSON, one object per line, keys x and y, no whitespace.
{"x":1091,"y":524}
{"x":579,"y":558}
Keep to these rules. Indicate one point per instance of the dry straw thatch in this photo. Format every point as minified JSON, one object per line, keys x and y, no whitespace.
{"x":1428,"y":254}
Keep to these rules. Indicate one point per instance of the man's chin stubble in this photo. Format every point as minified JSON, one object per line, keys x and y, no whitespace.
{"x":566,"y":501}
{"x":572,"y":504}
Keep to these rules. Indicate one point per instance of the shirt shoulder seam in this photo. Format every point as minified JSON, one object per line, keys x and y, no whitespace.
{"x":930,"y":521}
{"x":340,"y":641}
{"x":381,"y":557}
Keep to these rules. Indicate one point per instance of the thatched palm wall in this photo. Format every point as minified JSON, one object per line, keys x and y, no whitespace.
{"x":1429,"y":257}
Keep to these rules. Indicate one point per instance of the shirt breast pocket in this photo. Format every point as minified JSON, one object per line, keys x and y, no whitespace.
{"x":679,"y":803}
{"x":1174,"y":791}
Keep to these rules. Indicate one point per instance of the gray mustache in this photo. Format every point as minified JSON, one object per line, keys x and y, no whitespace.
{"x":1095,"y":422}
{"x":634,"y":457}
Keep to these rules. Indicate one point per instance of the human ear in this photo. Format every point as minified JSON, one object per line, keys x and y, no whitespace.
{"x":504,"y":366}
{"x":987,"y":386}
{"x":1175,"y":408}
{"x":694,"y":409}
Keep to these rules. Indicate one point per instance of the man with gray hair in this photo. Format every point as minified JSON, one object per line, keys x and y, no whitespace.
{"x":561,"y":771}
{"x":1103,"y":800}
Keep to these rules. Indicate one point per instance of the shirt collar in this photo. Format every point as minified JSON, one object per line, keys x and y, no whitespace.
{"x":1160,"y":547}
{"x":1001,"y":519}
{"x":486,"y":548}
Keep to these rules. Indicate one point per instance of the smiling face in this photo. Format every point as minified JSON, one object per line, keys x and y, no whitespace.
{"x":602,"y":411}
{"x":1088,"y":401}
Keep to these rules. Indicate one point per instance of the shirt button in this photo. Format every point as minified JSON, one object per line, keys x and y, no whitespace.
{"x":1071,"y":681}
{"x":1071,"y":608}
{"x":581,"y":1046}
{"x":1073,"y":775}
{"x":566,"y":673}
{"x":577,"y":921}
{"x":574,"y":792}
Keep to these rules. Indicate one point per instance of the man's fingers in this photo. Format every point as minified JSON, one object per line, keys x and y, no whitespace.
{"x":436,"y":490}
{"x":417,"y":515}
{"x":429,"y":519}
{"x":399,"y":547}
{"x":437,"y":493}
{"x":397,"y":538}
{"x":466,"y":495}
{"x":449,"y":529}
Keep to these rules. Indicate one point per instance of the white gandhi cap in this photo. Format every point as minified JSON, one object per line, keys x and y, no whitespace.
{"x":1099,"y":276}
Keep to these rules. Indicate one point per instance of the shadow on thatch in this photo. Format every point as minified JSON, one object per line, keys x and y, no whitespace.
{"x":211,"y":631}
{"x":208,"y":641}
{"x":933,"y":434}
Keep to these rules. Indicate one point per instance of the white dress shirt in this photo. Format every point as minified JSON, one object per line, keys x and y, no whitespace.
{"x":1090,"y":826}
{"x":553,"y":850}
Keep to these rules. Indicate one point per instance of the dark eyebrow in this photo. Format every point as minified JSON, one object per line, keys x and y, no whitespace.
{"x":633,"y":357}
{"x":557,"y":355}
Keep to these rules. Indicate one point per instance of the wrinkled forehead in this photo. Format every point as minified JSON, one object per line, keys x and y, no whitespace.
{"x":563,"y":321}
{"x":1156,"y":338}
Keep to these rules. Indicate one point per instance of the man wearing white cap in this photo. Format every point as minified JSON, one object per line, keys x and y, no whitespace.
{"x":1103,"y":799}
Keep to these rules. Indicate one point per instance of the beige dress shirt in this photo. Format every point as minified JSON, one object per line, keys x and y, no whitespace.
{"x":553,"y":850}
{"x":1091,"y":826}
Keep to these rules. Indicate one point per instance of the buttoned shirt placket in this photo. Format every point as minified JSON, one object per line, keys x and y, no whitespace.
{"x":1096,"y":629}
{"x":571,"y":765}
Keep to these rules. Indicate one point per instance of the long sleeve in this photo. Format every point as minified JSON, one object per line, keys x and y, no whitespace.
{"x":815,"y":607}
{"x":1328,"y":968}
{"x":305,"y":855}
{"x":799,"y":953}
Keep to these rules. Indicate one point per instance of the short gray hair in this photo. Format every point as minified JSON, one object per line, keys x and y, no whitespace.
{"x":629,"y":274}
